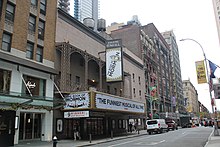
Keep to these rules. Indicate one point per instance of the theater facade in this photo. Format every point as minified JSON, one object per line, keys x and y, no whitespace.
{"x":98,"y":114}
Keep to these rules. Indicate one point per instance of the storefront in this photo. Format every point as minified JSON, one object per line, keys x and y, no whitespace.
{"x":98,"y":114}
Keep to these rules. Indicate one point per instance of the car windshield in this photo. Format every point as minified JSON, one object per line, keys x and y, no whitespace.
{"x":169,"y":122}
{"x":151,"y":122}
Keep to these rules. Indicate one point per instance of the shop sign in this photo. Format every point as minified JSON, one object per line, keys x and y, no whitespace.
{"x":77,"y":100}
{"x":112,"y":103}
{"x":76,"y":114}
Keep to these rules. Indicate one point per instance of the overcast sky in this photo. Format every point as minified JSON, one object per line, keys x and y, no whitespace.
{"x":187,"y":18}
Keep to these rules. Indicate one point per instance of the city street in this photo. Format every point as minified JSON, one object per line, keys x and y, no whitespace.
{"x":191,"y":137}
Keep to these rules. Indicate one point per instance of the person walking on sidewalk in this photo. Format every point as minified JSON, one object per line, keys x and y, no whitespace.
{"x":130,"y":127}
{"x":76,"y":132}
{"x":136,"y":126}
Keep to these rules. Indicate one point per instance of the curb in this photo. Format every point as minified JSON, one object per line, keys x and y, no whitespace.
{"x":207,"y":142}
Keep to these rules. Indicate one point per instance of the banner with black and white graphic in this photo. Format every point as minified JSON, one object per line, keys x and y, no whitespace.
{"x":114,"y":71}
{"x":113,"y":103}
{"x":77,"y":100}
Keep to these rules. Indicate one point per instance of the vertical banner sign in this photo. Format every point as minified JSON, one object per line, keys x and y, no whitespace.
{"x":114,"y":71}
{"x":200,"y":72}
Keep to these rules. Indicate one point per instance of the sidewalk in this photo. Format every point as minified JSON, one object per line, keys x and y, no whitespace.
{"x":214,"y":141}
{"x":77,"y":143}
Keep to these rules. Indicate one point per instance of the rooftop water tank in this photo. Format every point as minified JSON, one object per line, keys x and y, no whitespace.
{"x":101,"y":25}
{"x":89,"y":22}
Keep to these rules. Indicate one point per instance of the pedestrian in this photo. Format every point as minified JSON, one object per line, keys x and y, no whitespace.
{"x":130,"y":127}
{"x":76,"y":132}
{"x":135,"y":126}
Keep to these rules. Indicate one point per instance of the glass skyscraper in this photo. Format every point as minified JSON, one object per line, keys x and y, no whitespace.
{"x":86,"y":8}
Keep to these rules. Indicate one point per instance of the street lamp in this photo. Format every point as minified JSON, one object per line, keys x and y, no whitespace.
{"x":216,"y":133}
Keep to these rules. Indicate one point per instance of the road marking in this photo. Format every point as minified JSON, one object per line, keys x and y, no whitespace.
{"x":130,"y":141}
{"x":149,"y":143}
{"x":183,"y":132}
{"x":155,"y":143}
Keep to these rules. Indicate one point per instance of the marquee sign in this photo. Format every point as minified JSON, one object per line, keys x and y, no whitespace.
{"x":113,"y":103}
{"x":77,"y":100}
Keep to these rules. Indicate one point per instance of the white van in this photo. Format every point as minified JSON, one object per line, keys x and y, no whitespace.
{"x":156,"y":125}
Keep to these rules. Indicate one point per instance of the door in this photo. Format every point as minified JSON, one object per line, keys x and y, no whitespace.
{"x":30,"y":126}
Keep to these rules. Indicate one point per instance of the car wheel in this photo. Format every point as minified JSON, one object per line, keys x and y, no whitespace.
{"x":150,"y":133}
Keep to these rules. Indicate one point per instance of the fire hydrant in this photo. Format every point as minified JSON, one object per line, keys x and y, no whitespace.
{"x":54,"y":141}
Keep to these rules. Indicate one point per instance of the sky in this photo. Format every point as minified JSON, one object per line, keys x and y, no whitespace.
{"x":187,"y":18}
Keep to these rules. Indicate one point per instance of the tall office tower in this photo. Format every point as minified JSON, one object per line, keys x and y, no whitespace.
{"x":64,"y":5}
{"x":216,"y":6}
{"x":177,"y":86}
{"x":86,"y":9}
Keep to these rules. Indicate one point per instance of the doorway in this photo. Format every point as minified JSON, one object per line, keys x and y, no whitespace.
{"x":30,"y":126}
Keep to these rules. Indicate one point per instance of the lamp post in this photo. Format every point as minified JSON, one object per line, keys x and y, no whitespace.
{"x":216,"y":133}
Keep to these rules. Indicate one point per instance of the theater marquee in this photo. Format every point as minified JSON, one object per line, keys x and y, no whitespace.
{"x":112,"y":103}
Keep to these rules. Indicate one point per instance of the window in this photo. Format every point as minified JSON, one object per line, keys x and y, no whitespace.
{"x":41,"y":27}
{"x":6,"y":42}
{"x":5,"y":78}
{"x":77,"y":80}
{"x":115,"y":91}
{"x":0,"y":9}
{"x":34,"y":3}
{"x":108,"y":89}
{"x":134,"y":91}
{"x":43,"y":7}
{"x":39,"y":54}
{"x":36,"y":86}
{"x":139,"y":92}
{"x":119,"y":123}
{"x":133,"y":77}
{"x":95,"y":126}
{"x":32,"y":23}
{"x":9,"y":14}
{"x":139,"y":79}
{"x":30,"y":50}
{"x":81,"y":62}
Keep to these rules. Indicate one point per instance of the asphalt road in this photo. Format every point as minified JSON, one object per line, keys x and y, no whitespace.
{"x":189,"y":137}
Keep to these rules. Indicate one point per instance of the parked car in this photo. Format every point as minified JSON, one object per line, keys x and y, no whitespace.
{"x":156,"y":125}
{"x":172,"y":125}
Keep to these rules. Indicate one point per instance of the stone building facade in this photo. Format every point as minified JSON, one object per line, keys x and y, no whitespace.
{"x":97,"y":107}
